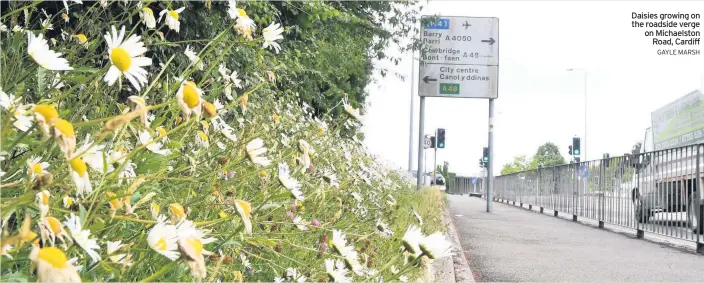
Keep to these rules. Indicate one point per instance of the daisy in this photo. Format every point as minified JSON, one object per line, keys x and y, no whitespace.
{"x":178,"y":214}
{"x":140,"y":106}
{"x":235,"y":81}
{"x":172,"y":18}
{"x":331,"y":179}
{"x":255,"y":149}
{"x":126,"y":59}
{"x":112,"y":247}
{"x":290,"y":183}
{"x":38,"y":49}
{"x":79,"y":174}
{"x":202,"y":139}
{"x":146,"y":139}
{"x":338,"y":242}
{"x":52,"y":229}
{"x":82,"y":237}
{"x":35,"y":167}
{"x":412,"y":239}
{"x":271,"y":34}
{"x":435,"y":246}
{"x":65,"y":17}
{"x":190,"y":244}
{"x":383,"y":229}
{"x":147,"y":17}
{"x":245,"y":26}
{"x":403,"y":278}
{"x":244,"y":209}
{"x":53,"y":265}
{"x":245,"y":261}
{"x":154,"y":209}
{"x":42,"y":201}
{"x":292,"y":274}
{"x":161,"y":133}
{"x":193,"y":57}
{"x":354,"y":113}
{"x":336,"y":271}
{"x":189,"y":99}
{"x":67,"y":201}
{"x":163,"y":238}
{"x":300,"y":223}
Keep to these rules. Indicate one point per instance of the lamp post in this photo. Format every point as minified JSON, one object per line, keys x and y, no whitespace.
{"x":584,"y":147}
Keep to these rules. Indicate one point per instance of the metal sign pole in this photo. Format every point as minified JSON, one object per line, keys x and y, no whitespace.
{"x":410,"y":121}
{"x":435,"y":157}
{"x":421,"y":117}
{"x":490,"y":164}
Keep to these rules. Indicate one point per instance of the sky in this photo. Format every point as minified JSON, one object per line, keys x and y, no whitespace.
{"x":539,"y":100}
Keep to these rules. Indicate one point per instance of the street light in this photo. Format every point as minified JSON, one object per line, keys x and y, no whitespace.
{"x":585,"y":108}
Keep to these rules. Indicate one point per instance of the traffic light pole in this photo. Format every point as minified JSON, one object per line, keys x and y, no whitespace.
{"x":490,"y":164}
{"x":435,"y":157}
{"x":421,"y":124}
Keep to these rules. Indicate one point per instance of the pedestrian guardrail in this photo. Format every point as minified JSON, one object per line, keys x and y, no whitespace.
{"x":465,"y":185}
{"x":655,"y":192}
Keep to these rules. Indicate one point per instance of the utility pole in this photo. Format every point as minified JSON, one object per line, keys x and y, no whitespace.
{"x":435,"y":156}
{"x":490,"y":164}
{"x":410,"y":121}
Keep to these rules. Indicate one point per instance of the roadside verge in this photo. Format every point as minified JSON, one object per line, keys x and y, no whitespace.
{"x":458,"y":269}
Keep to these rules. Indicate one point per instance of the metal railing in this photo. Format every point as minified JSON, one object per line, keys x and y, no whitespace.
{"x":465,"y":185}
{"x":656,"y":192}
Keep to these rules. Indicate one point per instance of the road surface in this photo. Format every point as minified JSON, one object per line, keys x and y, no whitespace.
{"x":513,"y":244}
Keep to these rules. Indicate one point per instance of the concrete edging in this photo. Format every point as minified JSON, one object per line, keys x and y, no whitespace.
{"x":460,"y":272}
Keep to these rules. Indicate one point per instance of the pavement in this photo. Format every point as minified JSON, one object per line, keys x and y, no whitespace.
{"x":514,"y":244}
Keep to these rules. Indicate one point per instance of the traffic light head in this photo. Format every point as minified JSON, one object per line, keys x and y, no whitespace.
{"x":432,"y":142}
{"x":575,"y":146}
{"x":481,"y":163}
{"x":441,"y":138}
{"x":570,"y":149}
{"x":485,"y":155}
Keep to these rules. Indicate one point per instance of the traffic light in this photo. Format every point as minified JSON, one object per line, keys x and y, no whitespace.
{"x":570,"y":149}
{"x":481,"y":163}
{"x":432,"y":141}
{"x":441,"y":138}
{"x":575,"y":146}
{"x":485,"y":159}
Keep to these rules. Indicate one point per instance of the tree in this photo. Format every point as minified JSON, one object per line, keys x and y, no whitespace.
{"x":520,"y":163}
{"x":548,"y":154}
{"x":636,"y":148}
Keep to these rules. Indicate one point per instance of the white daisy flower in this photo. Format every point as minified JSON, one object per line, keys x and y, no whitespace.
{"x":232,"y":9}
{"x":126,"y":59}
{"x":235,"y":81}
{"x":171,"y":18}
{"x":202,"y":139}
{"x":42,"y":202}
{"x":178,"y":213}
{"x":112,"y":247}
{"x":403,"y":278}
{"x":336,"y":271}
{"x":147,"y":16}
{"x":47,"y":25}
{"x":292,"y":274}
{"x":53,"y":265}
{"x":35,"y":167}
{"x":153,"y":146}
{"x":394,"y":270}
{"x":79,"y":174}
{"x":163,"y":238}
{"x":244,"y":209}
{"x":189,"y":99}
{"x":66,"y":3}
{"x":17,"y":28}
{"x":82,"y":237}
{"x":354,"y":113}
{"x":193,"y":57}
{"x":245,"y":26}
{"x":435,"y":246}
{"x":300,"y":223}
{"x":38,"y":49}
{"x":271,"y":34}
{"x":383,"y":229}
{"x":255,"y":150}
{"x":288,"y":182}
{"x":412,"y":239}
{"x":190,"y":243}
{"x":67,"y":201}
{"x":245,"y":261}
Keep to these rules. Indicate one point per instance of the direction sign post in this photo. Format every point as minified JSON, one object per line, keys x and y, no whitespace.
{"x":462,"y":60}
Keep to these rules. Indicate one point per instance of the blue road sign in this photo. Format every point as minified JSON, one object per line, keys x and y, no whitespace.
{"x":440,"y":24}
{"x":474,"y":180}
{"x":584,"y":171}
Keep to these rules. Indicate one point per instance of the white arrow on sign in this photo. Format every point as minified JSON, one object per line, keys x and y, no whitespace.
{"x":462,"y":57}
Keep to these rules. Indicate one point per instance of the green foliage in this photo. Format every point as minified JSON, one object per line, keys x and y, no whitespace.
{"x":520,"y":163}
{"x":547,"y":155}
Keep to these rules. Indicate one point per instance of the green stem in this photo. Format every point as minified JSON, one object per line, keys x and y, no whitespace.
{"x":159,"y":273}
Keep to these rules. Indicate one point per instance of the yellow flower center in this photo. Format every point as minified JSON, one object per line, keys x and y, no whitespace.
{"x":241,"y":12}
{"x":45,"y":198}
{"x":205,"y":125}
{"x":32,"y":236}
{"x":196,"y":244}
{"x":64,"y":127}
{"x":276,"y":117}
{"x":121,"y":59}
{"x":81,"y":38}
{"x":53,"y":256}
{"x":47,"y":112}
{"x":65,"y":16}
{"x":161,"y":131}
{"x":262,"y":173}
{"x":155,"y":208}
{"x":210,"y":109}
{"x":177,"y":209}
{"x":147,"y":10}
{"x":54,"y":224}
{"x":178,"y":120}
{"x":69,"y":201}
{"x":321,"y":129}
{"x":37,"y":168}
{"x":202,"y":136}
{"x":190,"y":95}
{"x":173,"y":14}
{"x":114,"y":203}
{"x":79,"y":166}
{"x":222,"y":214}
{"x":160,"y":245}
{"x":245,"y":206}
